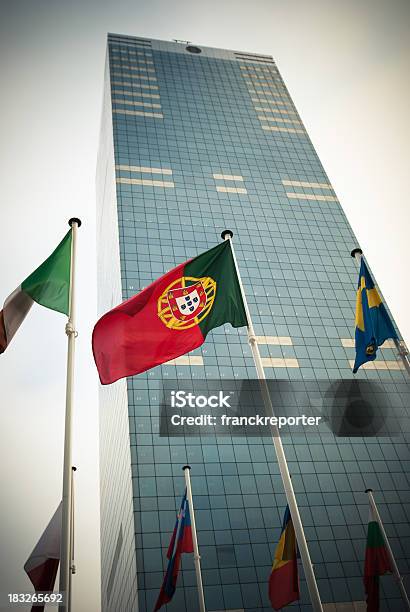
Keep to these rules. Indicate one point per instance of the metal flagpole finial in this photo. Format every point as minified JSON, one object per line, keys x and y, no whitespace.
{"x":369,"y":491}
{"x":74,"y":220}
{"x":186,"y":467}
{"x":356,"y":251}
{"x":227,"y":233}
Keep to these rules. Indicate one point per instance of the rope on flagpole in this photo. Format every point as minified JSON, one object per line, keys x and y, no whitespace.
{"x":72,"y":565}
{"x":280,"y":453}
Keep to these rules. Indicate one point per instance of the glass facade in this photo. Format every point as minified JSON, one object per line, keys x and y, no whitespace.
{"x":195,"y":142}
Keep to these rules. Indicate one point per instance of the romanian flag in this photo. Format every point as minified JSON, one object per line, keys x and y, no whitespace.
{"x":376,"y":563}
{"x":170,"y":317}
{"x":373,"y":324}
{"x":181,"y":542}
{"x":48,"y":285}
{"x":284,"y":579}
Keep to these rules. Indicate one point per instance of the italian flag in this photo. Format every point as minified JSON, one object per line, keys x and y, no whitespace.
{"x":377,"y":563}
{"x":48,"y":285}
{"x":42,"y":565}
{"x":170,"y":317}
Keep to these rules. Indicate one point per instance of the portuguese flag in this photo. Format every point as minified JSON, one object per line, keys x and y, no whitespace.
{"x":170,"y":317}
{"x":377,"y":563}
{"x":48,"y":285}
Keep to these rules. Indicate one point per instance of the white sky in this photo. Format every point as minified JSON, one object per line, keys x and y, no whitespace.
{"x":346,"y":64}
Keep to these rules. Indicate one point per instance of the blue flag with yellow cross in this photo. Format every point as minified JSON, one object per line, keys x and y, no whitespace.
{"x":373,"y":324}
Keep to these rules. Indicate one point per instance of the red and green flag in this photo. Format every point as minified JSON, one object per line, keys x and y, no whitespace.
{"x":284,"y":578}
{"x":42,"y":565}
{"x":48,"y":285}
{"x":170,"y":317}
{"x":377,"y":563}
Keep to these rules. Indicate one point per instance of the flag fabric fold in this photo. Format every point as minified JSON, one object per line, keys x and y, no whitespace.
{"x":377,"y":563}
{"x":48,"y":285}
{"x":373,"y":324}
{"x":42,"y":565}
{"x":170,"y":317}
{"x":181,"y":542}
{"x":284,"y":578}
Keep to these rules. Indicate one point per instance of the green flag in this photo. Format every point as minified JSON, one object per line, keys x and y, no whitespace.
{"x":48,"y":285}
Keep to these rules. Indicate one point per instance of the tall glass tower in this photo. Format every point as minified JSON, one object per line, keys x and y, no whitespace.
{"x":195,"y":140}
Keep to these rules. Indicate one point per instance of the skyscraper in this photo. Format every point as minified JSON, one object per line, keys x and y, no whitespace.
{"x":195,"y":140}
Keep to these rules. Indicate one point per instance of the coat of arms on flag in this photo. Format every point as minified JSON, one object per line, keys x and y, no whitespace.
{"x":186,"y":301}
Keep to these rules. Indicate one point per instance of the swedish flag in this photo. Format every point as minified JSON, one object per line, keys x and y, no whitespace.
{"x":373,"y":324}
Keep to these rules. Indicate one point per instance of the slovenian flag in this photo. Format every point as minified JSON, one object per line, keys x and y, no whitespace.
{"x":181,"y":542}
{"x":373,"y":324}
{"x":48,"y":285}
{"x":170,"y":317}
{"x":284,"y":579}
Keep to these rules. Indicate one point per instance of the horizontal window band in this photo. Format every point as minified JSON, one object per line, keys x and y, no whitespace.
{"x":259,"y":84}
{"x":379,"y":364}
{"x":141,"y":85}
{"x":280,"y":120}
{"x":127,"y":52}
{"x":312,"y":196}
{"x":306,"y":184}
{"x":273,"y":110}
{"x":272,"y":101}
{"x":350,"y":343}
{"x":241,"y":57}
{"x":252,"y":55}
{"x":228,"y":177}
{"x":191,"y":360}
{"x":231,"y":189}
{"x":258,"y":69}
{"x":249,"y":61}
{"x":136,"y":103}
{"x":145,"y":182}
{"x":143,"y":169}
{"x":134,"y":68}
{"x":279,"y":362}
{"x":275,"y":340}
{"x":137,"y":85}
{"x":139,"y":94}
{"x":116,"y":57}
{"x":265,"y":93}
{"x":141,"y":77}
{"x":123,"y":111}
{"x":131,"y":44}
{"x":274,"y":128}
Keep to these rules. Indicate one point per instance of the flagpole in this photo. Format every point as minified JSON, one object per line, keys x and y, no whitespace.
{"x":402,"y":349}
{"x":197,"y":557}
{"x":65,"y":553}
{"x":280,"y":453}
{"x":396,"y":571}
